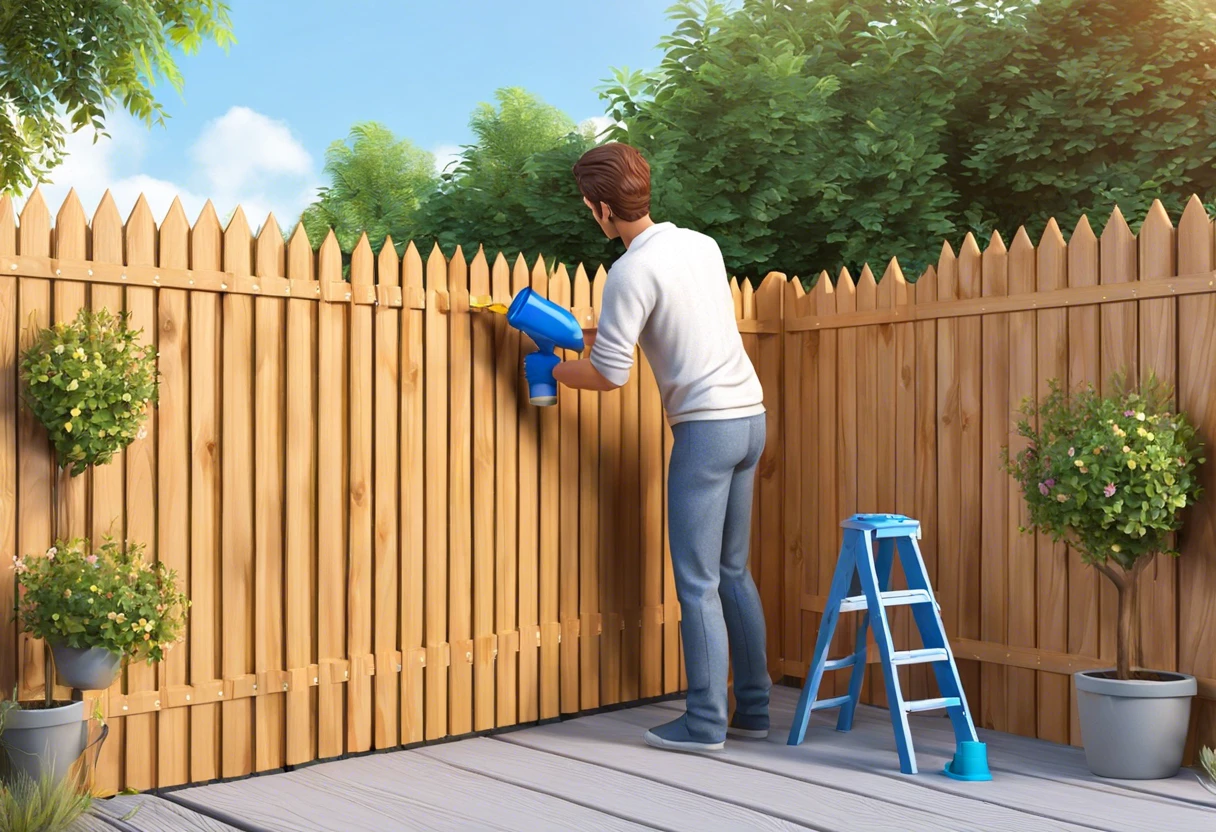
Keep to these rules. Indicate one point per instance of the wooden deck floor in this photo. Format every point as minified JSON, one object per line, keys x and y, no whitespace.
{"x":594,"y":773}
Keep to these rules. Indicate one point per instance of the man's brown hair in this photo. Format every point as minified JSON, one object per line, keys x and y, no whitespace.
{"x":618,"y":175}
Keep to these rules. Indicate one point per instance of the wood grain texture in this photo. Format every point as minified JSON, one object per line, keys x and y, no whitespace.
{"x":504,"y":340}
{"x":413,"y":504}
{"x":482,"y":513}
{"x":435,"y":571}
{"x":460,"y":506}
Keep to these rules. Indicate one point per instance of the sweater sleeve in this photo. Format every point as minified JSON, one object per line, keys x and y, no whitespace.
{"x":626,"y":308}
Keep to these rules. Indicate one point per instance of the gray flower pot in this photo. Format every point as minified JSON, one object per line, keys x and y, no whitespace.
{"x":45,"y":742}
{"x":1133,"y":729}
{"x":85,"y":668}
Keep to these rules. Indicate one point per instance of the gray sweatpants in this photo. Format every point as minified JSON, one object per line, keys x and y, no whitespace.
{"x":709,"y":502}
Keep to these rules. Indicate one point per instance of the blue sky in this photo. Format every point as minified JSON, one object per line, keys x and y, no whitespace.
{"x":252,"y":125}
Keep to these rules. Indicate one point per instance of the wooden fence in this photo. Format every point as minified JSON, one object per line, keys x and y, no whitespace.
{"x":383,"y":541}
{"x":386,"y":544}
{"x":900,"y":398}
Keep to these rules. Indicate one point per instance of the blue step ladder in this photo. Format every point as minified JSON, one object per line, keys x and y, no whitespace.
{"x":889,"y":533}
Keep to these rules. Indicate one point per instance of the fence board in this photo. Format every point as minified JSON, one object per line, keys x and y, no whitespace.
{"x":970,"y":540}
{"x":413,"y":504}
{"x":1196,"y":369}
{"x":611,"y":497}
{"x":529,"y":641}
{"x":804,"y":470}
{"x":589,"y":612}
{"x":359,"y":632}
{"x":206,"y":452}
{"x":332,"y":505}
{"x":925,"y":463}
{"x":1119,"y":354}
{"x":482,"y":510}
{"x":1158,"y":342}
{"x":141,"y":493}
{"x":300,"y":498}
{"x":1062,"y":586}
{"x":568,"y":508}
{"x":792,"y":372}
{"x":629,"y":537}
{"x":994,"y":495}
{"x":436,"y":570}
{"x":237,"y":511}
{"x":865,"y":367}
{"x":549,"y":529}
{"x":1020,"y":614}
{"x":386,"y":582}
{"x":173,"y":486}
{"x":35,"y":462}
{"x":846,"y":450}
{"x":769,"y":475}
{"x":268,"y":449}
{"x":901,"y":469}
{"x":504,"y":345}
{"x":460,"y":537}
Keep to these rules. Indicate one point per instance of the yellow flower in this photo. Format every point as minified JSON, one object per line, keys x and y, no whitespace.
{"x":72,"y":385}
{"x":102,"y":434}
{"x":1150,"y":436}
{"x":143,"y":621}
{"x":79,"y":354}
{"x":67,"y":426}
{"x":1140,"y":416}
{"x":1080,"y":463}
{"x":126,"y":397}
{"x":94,"y":588}
{"x":59,"y":349}
{"x":1115,"y":547}
{"x":121,"y":617}
{"x":1062,"y":498}
{"x":112,"y":615}
{"x":1131,"y":463}
{"x":1126,"y":449}
{"x":67,"y":593}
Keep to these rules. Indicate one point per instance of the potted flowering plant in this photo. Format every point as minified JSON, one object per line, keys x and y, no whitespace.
{"x":90,"y":383}
{"x":1110,"y":475}
{"x":95,"y":607}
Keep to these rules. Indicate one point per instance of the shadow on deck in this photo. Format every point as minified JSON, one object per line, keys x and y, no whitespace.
{"x":594,"y":773}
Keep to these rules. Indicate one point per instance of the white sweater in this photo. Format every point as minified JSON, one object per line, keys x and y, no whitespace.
{"x":669,"y":294}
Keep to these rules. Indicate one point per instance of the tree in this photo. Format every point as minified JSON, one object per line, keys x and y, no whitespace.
{"x":806,"y":136}
{"x":513,"y":189}
{"x":377,"y":183}
{"x":63,"y":63}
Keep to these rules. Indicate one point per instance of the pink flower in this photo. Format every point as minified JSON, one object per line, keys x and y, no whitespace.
{"x":1071,"y":451}
{"x":1110,"y":490}
{"x":1044,"y":488}
{"x":1129,"y":413}
{"x":92,"y":559}
{"x":1051,"y":483}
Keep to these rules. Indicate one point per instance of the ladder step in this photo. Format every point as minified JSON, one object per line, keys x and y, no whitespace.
{"x":924,"y":656}
{"x":896,"y":598}
{"x":932,"y":704}
{"x":835,"y":702}
{"x":839,"y":664}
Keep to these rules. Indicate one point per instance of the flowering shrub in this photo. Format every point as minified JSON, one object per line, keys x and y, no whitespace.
{"x":90,"y":383}
{"x":1109,"y":475}
{"x":109,"y":597}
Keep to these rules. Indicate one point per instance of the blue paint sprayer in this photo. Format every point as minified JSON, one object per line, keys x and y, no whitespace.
{"x":550,"y":327}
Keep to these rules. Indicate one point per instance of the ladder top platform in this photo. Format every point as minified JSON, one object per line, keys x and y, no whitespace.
{"x":884,"y":525}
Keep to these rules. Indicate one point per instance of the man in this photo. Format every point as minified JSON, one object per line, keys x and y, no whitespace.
{"x":669,"y":293}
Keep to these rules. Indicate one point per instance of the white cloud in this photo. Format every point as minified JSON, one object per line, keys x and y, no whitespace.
{"x":241,"y":158}
{"x":445,"y":155}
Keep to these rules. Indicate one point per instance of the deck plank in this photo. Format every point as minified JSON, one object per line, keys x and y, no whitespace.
{"x":834,"y":802}
{"x":614,"y":792}
{"x":390,"y":792}
{"x":148,"y":813}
